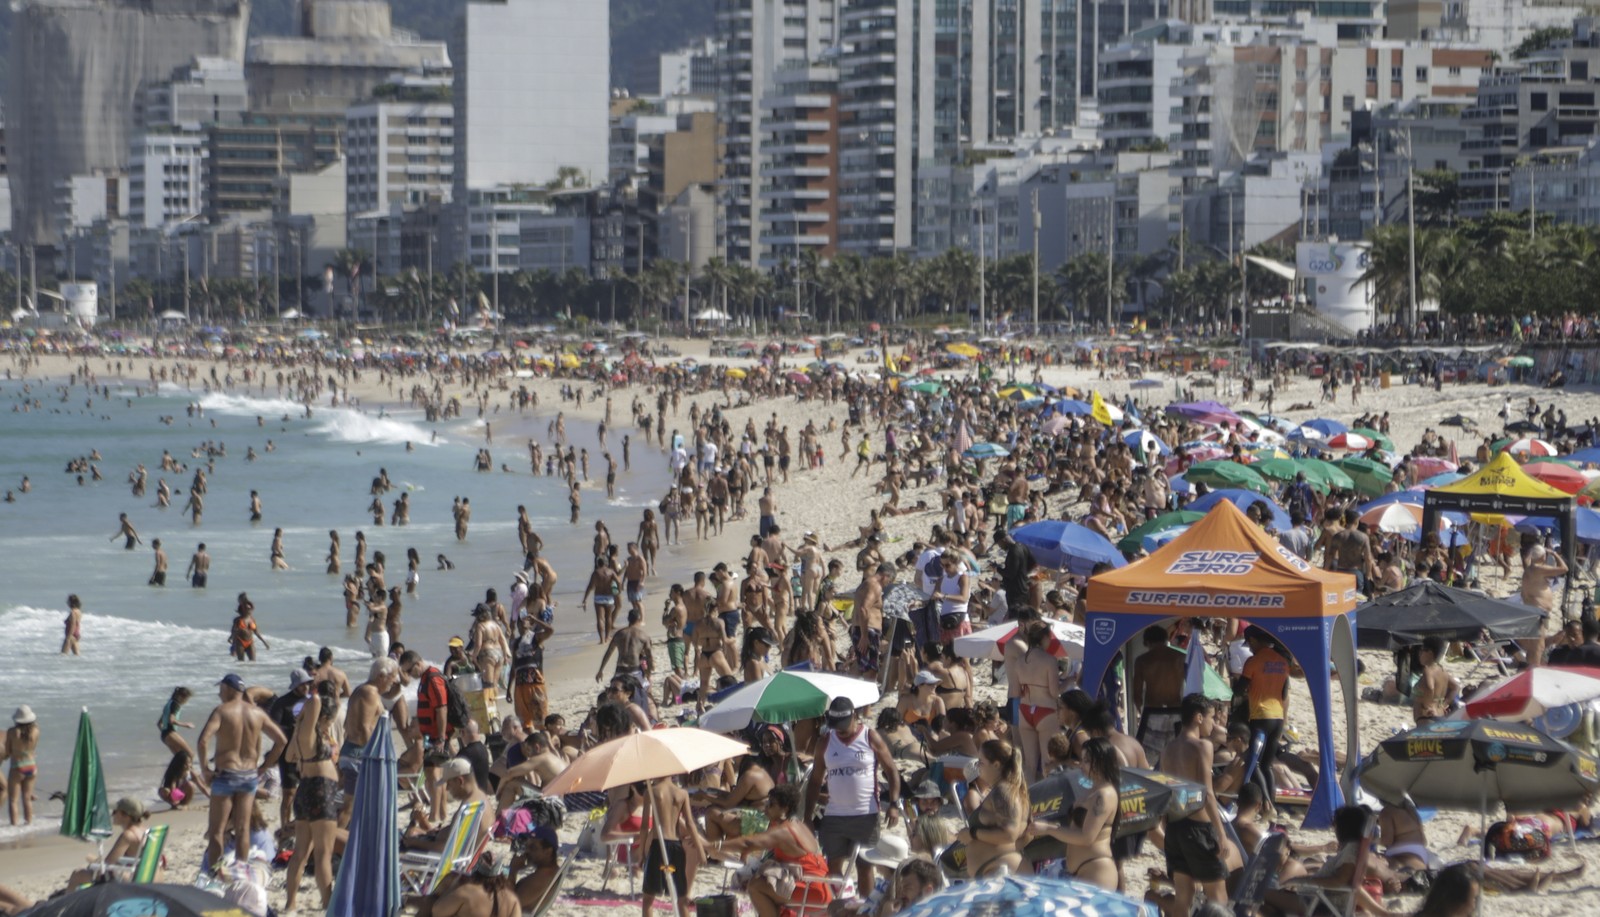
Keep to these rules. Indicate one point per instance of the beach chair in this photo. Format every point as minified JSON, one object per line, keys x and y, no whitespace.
{"x":615,"y":851}
{"x":421,"y":871}
{"x":1339,"y":900}
{"x":140,"y":869}
{"x":1258,"y":871}
{"x":543,"y":905}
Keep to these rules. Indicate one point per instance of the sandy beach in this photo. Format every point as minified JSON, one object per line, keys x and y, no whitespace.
{"x":833,"y":503}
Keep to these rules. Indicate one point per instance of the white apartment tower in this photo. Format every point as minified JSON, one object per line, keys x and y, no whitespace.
{"x":758,"y":38}
{"x":532,"y":89}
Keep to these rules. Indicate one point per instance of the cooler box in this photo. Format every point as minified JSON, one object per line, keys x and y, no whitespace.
{"x":485,"y":709}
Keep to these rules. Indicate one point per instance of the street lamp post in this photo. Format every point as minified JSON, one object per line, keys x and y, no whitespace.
{"x":1036,"y":227}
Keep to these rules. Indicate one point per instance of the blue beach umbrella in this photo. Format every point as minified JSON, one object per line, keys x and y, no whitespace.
{"x":1068,"y":546}
{"x":1587,"y":531}
{"x":1589,"y":456}
{"x":1327,"y":427}
{"x":1140,"y":440}
{"x":1244,"y":499}
{"x":1029,"y":896}
{"x":985,"y":451}
{"x":1072,"y":406}
{"x":1443,"y":478}
{"x":368,"y":884}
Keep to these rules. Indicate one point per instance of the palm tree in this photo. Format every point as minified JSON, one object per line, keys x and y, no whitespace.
{"x":463,"y":283}
{"x":952,"y":279}
{"x":1091,"y":287}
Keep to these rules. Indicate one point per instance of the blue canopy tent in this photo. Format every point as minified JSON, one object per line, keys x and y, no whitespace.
{"x":1225,"y":566}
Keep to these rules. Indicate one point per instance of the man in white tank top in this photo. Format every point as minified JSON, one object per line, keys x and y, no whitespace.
{"x":851,"y":756}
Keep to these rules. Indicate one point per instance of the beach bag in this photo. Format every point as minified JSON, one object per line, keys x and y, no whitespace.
{"x":457,"y":713}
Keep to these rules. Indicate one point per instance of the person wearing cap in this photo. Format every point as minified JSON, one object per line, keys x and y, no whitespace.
{"x":22,"y":743}
{"x":284,"y":710}
{"x":236,"y":771}
{"x":539,"y":850}
{"x":458,"y":782}
{"x":919,"y":706}
{"x":127,"y":823}
{"x":852,"y":756}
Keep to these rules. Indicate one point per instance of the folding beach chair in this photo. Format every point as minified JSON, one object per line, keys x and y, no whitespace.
{"x":421,"y":871}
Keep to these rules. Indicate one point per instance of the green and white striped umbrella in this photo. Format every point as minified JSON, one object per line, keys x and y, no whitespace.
{"x":784,"y":697}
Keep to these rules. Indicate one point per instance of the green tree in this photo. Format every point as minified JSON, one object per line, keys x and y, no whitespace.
{"x":1539,"y":40}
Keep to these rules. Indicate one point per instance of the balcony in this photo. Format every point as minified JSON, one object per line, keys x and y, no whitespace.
{"x":1491,"y":143}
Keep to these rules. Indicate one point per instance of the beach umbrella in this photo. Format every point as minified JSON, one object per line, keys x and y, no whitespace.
{"x":1207,"y":411}
{"x":1028,"y":896}
{"x":1384,"y":442}
{"x":1467,"y":764}
{"x":1147,"y":796}
{"x":1370,"y":477}
{"x":962,"y":350}
{"x":1523,"y":426}
{"x":798,"y":377}
{"x":1180,"y":484}
{"x":644,"y":756}
{"x":125,"y":899}
{"x":1054,"y":424}
{"x":1072,"y":406}
{"x":1589,"y":456}
{"x":1278,"y":517}
{"x":1429,"y":608}
{"x":784,"y":697}
{"x":1520,"y":362}
{"x":1325,"y":476}
{"x":1325,"y":427}
{"x":734,"y":372}
{"x":1350,"y":441}
{"x":1397,"y":518}
{"x":86,"y":812}
{"x":985,"y":451}
{"x":369,"y":872}
{"x":1145,"y":383}
{"x":1557,"y":475}
{"x":1020,"y":392}
{"x":1533,"y":692}
{"x":1441,"y":479}
{"x":1142,"y":441}
{"x":924,"y":387}
{"x":1227,"y":475}
{"x":1281,"y":469}
{"x":990,"y":643}
{"x":1530,"y":448}
{"x":1135,"y":537}
{"x":1429,"y":465}
{"x":1586,"y":527}
{"x":1068,"y":546}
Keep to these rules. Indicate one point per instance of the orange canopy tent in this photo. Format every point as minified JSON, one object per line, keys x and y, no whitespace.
{"x":1225,"y":566}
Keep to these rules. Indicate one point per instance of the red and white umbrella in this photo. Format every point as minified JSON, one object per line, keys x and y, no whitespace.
{"x":1428,"y":465}
{"x":1397,"y":518}
{"x":990,"y":643}
{"x":1351,"y":442}
{"x":1530,"y":446}
{"x":1557,"y":475}
{"x":1533,"y":692}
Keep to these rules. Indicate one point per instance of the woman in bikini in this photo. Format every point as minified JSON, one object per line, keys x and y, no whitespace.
{"x":791,"y":842}
{"x":649,"y":541}
{"x":1092,"y":823}
{"x":739,"y":811}
{"x":317,"y":798}
{"x":918,"y":708}
{"x":22,"y":742}
{"x":1034,"y":681}
{"x":955,"y":677}
{"x":994,"y":829}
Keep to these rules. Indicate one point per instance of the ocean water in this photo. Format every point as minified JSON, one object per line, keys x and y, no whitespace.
{"x":139,"y":642}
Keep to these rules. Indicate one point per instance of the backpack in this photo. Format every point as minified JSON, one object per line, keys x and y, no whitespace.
{"x":457,"y":713}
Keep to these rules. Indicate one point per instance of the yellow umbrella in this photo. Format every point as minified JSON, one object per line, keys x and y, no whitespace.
{"x":546,"y":362}
{"x":735,"y":373}
{"x":962,"y":349}
{"x":569,"y":361}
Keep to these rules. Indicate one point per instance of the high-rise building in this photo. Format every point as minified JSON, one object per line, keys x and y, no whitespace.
{"x":400,"y":146}
{"x":166,"y":178}
{"x":532,"y":84}
{"x":800,"y":178}
{"x":758,"y":39}
{"x":247,"y":158}
{"x":77,"y":67}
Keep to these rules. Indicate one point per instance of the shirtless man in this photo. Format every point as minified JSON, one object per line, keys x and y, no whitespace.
{"x":126,"y":532}
{"x":255,"y":506}
{"x":1435,"y":689}
{"x":159,"y":576}
{"x":667,"y":804}
{"x":1540,"y":565}
{"x":866,"y":621}
{"x":768,"y":505}
{"x":631,"y":644}
{"x":1350,"y":551}
{"x":536,"y":766}
{"x":238,"y":767}
{"x":367,"y":704}
{"x":1158,"y":677}
{"x":540,"y":851}
{"x":603,"y":585}
{"x":1194,"y":845}
{"x":199,"y":567}
{"x":195,"y":507}
{"x":633,"y":578}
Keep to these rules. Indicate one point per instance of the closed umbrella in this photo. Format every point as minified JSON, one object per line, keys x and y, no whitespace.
{"x":784,"y":697}
{"x":1028,"y":896}
{"x":1067,"y":546}
{"x":125,"y":899}
{"x":369,"y":872}
{"x":1468,"y":764}
{"x":1225,"y":474}
{"x":86,"y":811}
